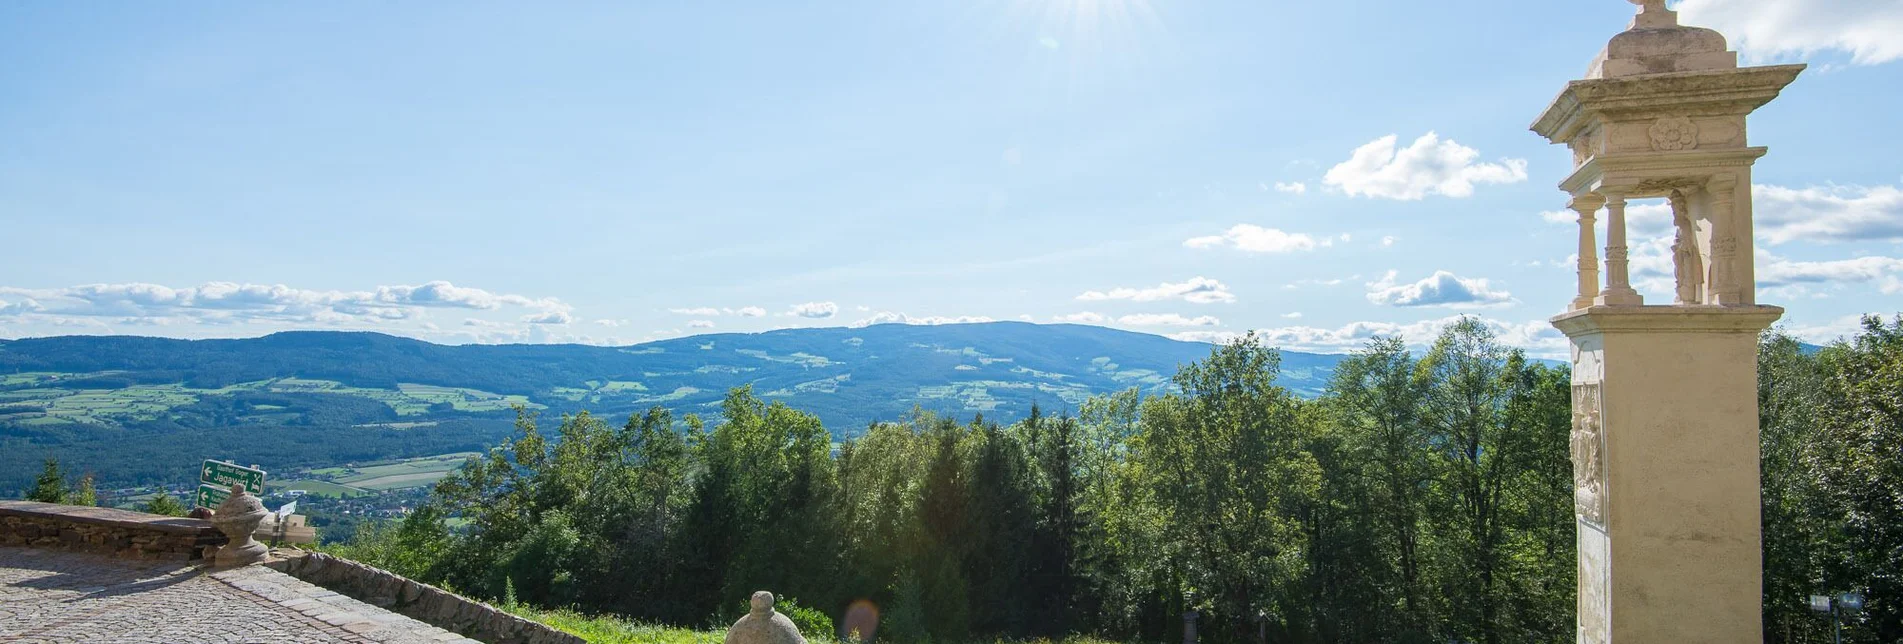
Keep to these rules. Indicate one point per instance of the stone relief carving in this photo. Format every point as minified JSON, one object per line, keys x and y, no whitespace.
{"x":1585,"y":147}
{"x":1588,"y":459}
{"x":1687,"y":264}
{"x":1591,"y":619}
{"x":1673,"y":133}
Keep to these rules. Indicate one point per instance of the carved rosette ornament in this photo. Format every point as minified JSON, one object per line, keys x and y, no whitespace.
{"x":1588,"y":457}
{"x":1673,"y":133}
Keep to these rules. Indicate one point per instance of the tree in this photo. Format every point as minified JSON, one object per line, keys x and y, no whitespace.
{"x":1860,"y":474}
{"x":50,"y":487}
{"x":1376,"y":401}
{"x":165,"y":505}
{"x":1226,"y":464}
{"x":83,"y":493}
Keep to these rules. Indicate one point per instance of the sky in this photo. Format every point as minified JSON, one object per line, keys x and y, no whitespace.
{"x":613,"y":173}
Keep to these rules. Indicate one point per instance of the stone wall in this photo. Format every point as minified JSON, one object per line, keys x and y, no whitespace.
{"x":121,"y":533}
{"x":416,"y":600}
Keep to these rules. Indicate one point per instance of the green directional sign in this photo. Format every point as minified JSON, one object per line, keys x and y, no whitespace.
{"x":209,"y":496}
{"x":223,"y":475}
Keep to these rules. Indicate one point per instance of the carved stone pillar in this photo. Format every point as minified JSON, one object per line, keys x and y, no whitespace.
{"x":1618,"y":290}
{"x":1723,"y":287}
{"x":1587,"y":207}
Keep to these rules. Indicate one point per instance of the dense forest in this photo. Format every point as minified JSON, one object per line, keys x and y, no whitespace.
{"x":1421,"y":499}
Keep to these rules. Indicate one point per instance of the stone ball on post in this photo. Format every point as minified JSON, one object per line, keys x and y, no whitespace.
{"x":761,"y":625}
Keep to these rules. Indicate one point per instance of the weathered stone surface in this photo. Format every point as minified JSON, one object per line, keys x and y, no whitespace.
{"x":122,"y":533}
{"x":420,"y":601}
{"x":762,"y":625}
{"x":1665,"y":421}
{"x":56,"y":596}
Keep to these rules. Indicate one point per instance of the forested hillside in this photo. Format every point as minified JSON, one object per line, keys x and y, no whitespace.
{"x":134,"y":409}
{"x":1420,"y":499}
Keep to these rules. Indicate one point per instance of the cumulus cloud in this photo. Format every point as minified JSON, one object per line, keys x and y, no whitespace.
{"x":889,"y":317}
{"x":814,"y":310}
{"x":1443,"y":288}
{"x":1293,"y":187}
{"x":1167,"y":319}
{"x":1198,"y":290}
{"x":1256,"y":239}
{"x":750,"y":312}
{"x":232,"y":303}
{"x":1429,"y":166}
{"x":1829,"y":213}
{"x":1768,"y":30}
{"x":549,"y":317}
{"x":1292,"y":315}
{"x":699,"y":310}
{"x":1084,"y":317}
{"x":701,"y":324}
{"x":1885,"y":272}
{"x":1388,"y":241}
{"x":1537,"y":336}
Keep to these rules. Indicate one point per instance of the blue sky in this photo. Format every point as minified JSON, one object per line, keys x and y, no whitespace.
{"x":617,"y":172}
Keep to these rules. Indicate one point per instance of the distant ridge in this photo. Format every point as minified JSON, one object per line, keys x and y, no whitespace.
{"x":848,"y":376}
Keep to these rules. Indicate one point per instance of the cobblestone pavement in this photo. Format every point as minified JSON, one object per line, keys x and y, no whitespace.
{"x":52,"y":596}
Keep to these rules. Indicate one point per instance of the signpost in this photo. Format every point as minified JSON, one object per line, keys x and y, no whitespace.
{"x":216,"y":478}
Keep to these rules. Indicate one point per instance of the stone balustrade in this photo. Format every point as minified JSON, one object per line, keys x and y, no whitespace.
{"x":121,"y":533}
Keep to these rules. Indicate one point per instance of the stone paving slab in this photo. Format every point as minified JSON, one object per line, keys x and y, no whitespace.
{"x":56,"y":596}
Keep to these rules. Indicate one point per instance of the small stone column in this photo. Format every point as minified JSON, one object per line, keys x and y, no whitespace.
{"x":1618,"y":287}
{"x":238,"y":517}
{"x":1587,"y":207}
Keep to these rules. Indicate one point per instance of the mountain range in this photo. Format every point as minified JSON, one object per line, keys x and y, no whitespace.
{"x":308,"y":396}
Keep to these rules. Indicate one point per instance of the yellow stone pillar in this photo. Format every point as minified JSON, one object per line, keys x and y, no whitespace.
{"x":1665,"y":422}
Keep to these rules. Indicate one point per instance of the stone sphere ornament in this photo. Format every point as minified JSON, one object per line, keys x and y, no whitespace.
{"x":761,"y":625}
{"x":238,"y":517}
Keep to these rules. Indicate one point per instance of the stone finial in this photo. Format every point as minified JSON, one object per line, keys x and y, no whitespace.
{"x":761,"y":625}
{"x":238,"y":517}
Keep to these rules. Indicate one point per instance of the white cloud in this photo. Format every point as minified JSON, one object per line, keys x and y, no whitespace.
{"x":1198,"y":290}
{"x":889,"y":317}
{"x":814,"y":310}
{"x":1443,"y":288}
{"x":750,"y":312}
{"x":1829,"y":213}
{"x":1292,"y":315}
{"x":1388,"y":241}
{"x":234,"y":303}
{"x":1429,"y":166}
{"x":611,"y":323}
{"x":550,"y":317}
{"x":1167,"y":319}
{"x":701,"y":324}
{"x":700,"y":311}
{"x":1886,"y":272}
{"x":1084,"y":317}
{"x":1256,"y":239}
{"x":1538,"y":337}
{"x":1766,"y":30}
{"x":1293,"y":187}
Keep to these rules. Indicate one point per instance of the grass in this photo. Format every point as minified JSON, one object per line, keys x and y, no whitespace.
{"x":601,"y":629}
{"x":606,"y":629}
{"x":396,"y":475}
{"x":43,"y":396}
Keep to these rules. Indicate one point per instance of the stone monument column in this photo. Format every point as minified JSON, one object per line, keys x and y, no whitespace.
{"x":1665,"y":415}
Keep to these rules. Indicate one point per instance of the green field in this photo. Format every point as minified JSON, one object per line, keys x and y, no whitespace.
{"x":396,"y":475}
{"x":319,"y":488}
{"x":41,"y":401}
